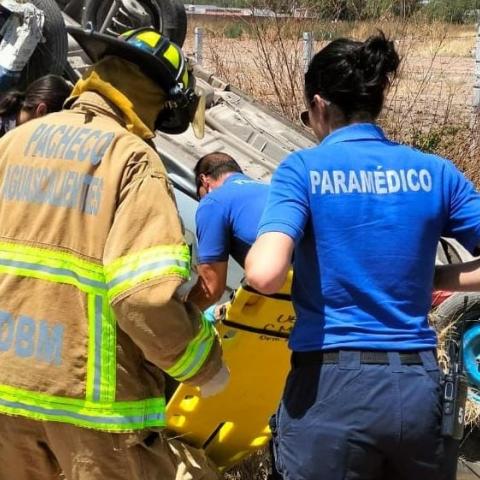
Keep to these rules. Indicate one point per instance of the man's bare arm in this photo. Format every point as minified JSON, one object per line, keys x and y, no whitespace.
{"x":461,"y":277}
{"x":211,"y":283}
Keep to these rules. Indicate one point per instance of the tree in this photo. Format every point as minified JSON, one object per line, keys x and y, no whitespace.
{"x":456,"y":11}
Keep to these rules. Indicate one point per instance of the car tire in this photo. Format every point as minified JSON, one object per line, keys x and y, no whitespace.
{"x":174,"y":21}
{"x":460,"y":306}
{"x":470,"y":445}
{"x":50,"y":57}
{"x":169,"y":17}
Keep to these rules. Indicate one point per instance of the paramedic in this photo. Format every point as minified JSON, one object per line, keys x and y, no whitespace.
{"x":231,"y":204}
{"x":363,"y":215}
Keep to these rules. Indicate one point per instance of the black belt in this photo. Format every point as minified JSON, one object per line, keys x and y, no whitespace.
{"x":301,"y":359}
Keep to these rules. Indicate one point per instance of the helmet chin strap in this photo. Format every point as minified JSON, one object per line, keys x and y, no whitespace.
{"x":180,"y":110}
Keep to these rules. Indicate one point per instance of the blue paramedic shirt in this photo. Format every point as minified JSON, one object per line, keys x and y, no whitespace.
{"x":227,"y":219}
{"x":366,"y":215}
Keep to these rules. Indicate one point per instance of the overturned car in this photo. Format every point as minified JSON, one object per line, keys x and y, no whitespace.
{"x":254,"y":327}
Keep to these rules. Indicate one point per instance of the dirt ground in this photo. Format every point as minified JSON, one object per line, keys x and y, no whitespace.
{"x":436,"y":78}
{"x":429,"y":104}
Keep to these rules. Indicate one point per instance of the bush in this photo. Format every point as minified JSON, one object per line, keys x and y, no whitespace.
{"x":455,"y":11}
{"x":233,"y":30}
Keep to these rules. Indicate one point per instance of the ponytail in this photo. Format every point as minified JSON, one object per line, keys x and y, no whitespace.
{"x":353,"y":75}
{"x":11,"y":102}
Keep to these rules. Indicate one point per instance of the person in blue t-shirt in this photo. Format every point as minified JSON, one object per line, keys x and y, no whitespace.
{"x":227,"y":221}
{"x":363,"y":216}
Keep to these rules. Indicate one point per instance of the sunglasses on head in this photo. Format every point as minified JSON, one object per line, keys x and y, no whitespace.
{"x":305,"y":117}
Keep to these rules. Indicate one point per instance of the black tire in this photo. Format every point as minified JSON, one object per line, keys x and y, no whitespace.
{"x":450,"y":314}
{"x":174,"y":20}
{"x":461,"y":306}
{"x":168,"y":16}
{"x":50,"y":56}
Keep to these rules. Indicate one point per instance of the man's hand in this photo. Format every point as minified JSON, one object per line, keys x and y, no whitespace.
{"x":212,"y":279}
{"x":216,"y":384}
{"x":213,"y":313}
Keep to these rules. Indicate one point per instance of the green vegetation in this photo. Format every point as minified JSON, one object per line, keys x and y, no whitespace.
{"x":233,"y":30}
{"x":455,"y":11}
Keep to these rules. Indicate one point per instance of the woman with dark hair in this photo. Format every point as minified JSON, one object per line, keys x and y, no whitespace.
{"x":45,"y":95}
{"x":363,"y":216}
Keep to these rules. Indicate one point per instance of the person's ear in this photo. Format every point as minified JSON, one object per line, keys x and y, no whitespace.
{"x":320,"y":105}
{"x":41,"y":110}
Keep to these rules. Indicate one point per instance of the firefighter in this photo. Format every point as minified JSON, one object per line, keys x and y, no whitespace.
{"x":364,"y":216}
{"x":91,"y":256}
{"x":231,"y":204}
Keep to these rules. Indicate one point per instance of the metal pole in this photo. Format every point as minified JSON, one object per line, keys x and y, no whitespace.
{"x":307,"y":49}
{"x":198,"y":47}
{"x":476,"y":85}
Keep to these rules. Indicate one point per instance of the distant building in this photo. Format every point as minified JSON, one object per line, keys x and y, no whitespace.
{"x":243,"y":12}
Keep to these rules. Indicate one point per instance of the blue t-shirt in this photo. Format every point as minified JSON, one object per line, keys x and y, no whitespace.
{"x":366,"y":215}
{"x":227,"y":219}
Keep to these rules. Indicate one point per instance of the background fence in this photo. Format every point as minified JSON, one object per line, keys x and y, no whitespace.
{"x":432,"y":104}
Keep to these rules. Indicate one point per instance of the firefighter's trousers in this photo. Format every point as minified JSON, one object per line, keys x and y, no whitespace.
{"x":31,"y":450}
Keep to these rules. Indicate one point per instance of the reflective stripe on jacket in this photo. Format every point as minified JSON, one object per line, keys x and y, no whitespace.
{"x":91,"y":256}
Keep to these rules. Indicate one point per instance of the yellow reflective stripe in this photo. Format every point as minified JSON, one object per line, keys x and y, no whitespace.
{"x":131,"y":270}
{"x":173,"y":55}
{"x":150,"y":38}
{"x":109,"y":353}
{"x":185,"y":78}
{"x":134,"y":260}
{"x":99,"y":410}
{"x":90,"y":380}
{"x":51,"y":265}
{"x":94,"y":270}
{"x":60,"y":267}
{"x":108,"y":416}
{"x":195,"y":354}
{"x":145,"y":277}
{"x":101,"y":360}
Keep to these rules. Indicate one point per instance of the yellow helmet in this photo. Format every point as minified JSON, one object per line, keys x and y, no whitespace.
{"x":162,"y":48}
{"x":160,"y":59}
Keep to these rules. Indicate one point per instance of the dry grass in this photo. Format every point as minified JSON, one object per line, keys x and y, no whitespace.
{"x":429,"y":105}
{"x":256,"y":467}
{"x":472,"y":412}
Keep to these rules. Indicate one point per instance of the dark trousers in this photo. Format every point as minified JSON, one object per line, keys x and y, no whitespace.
{"x":354,"y":421}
